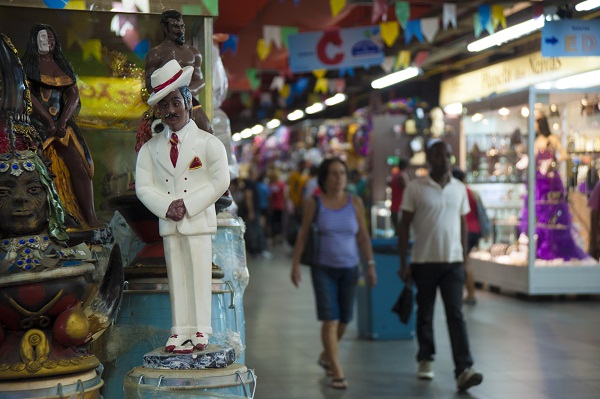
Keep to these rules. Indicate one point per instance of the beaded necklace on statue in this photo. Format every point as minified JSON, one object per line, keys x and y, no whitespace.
{"x":30,"y":252}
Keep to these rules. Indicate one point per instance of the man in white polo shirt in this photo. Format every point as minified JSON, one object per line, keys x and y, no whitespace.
{"x":436,"y":205}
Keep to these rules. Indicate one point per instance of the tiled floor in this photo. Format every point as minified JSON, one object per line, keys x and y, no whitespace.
{"x":526,"y":348}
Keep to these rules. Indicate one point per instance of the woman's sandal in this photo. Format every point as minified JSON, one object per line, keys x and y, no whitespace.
{"x":321,"y":362}
{"x":339,"y":383}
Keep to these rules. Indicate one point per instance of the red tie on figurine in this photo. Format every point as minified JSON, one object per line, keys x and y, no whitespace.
{"x":174,"y":151}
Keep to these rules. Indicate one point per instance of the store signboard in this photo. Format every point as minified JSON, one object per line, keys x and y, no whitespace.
{"x":336,"y":49}
{"x":510,"y":76}
{"x":571,"y":38}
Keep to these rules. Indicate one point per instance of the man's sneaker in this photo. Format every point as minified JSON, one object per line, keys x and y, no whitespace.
{"x":425,"y":370}
{"x":468,"y":379}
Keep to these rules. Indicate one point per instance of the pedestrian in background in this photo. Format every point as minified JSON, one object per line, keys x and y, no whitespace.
{"x":343,"y":231}
{"x":397,"y":181}
{"x":436,"y":205}
{"x":473,"y":237}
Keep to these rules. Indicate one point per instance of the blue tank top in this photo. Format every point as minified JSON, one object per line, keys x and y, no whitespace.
{"x":338,"y":229}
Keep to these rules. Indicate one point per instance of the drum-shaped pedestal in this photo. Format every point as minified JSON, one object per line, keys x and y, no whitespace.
{"x":235,"y":381}
{"x":84,"y":385}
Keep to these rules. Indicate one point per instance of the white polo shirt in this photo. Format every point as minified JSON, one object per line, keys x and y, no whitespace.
{"x":437,"y":215}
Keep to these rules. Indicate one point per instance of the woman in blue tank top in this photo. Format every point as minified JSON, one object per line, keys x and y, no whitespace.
{"x":343,"y":231}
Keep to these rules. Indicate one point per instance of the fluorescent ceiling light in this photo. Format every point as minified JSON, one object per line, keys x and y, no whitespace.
{"x":273,"y":123}
{"x":504,"y":111}
{"x":506,"y":35}
{"x":246,"y":133}
{"x":257,"y":129}
{"x":294,"y":116}
{"x":453,"y":109}
{"x":313,"y":109}
{"x":395,"y":77}
{"x":587,"y":5}
{"x":338,"y":98}
{"x":236,"y":137}
{"x":581,"y":81}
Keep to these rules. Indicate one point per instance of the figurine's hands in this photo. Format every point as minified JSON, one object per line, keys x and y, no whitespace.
{"x":61,"y":129}
{"x":176,"y":210}
{"x":51,"y":130}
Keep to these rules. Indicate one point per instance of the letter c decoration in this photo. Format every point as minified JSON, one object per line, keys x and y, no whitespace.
{"x":330,"y":37}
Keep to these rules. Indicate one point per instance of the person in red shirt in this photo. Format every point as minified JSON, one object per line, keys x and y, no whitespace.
{"x":397,"y":182}
{"x":276,"y":206}
{"x":473,"y":238}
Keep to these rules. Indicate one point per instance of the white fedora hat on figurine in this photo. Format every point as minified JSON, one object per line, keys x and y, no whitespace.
{"x":168,"y":78}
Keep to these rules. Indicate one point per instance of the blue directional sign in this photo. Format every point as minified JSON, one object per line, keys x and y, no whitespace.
{"x":571,"y":38}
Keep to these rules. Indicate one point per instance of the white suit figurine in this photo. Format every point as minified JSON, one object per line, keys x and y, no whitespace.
{"x":180,"y":173}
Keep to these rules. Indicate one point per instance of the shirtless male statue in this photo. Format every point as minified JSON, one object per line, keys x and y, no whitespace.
{"x":174,"y":47}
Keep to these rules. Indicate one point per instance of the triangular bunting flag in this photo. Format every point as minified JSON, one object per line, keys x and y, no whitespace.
{"x":346,"y":71}
{"x":319,"y":73}
{"x":449,"y":15}
{"x":420,"y":58}
{"x":413,"y":28}
{"x":336,"y":6}
{"x":285,"y":91}
{"x":484,"y":14}
{"x":388,"y":63}
{"x":402,"y":13}
{"x":92,"y":47}
{"x":321,"y":85}
{"x":300,"y":86}
{"x":498,"y":16}
{"x":389,"y":32}
{"x":272,"y":34}
{"x":230,"y":44}
{"x":403,"y":60}
{"x":263,"y":49}
{"x":286,"y":31}
{"x":380,"y":9}
{"x":277,"y":83}
{"x":477,"y":28}
{"x":252,"y":78}
{"x":266,"y":99}
{"x":430,"y":27}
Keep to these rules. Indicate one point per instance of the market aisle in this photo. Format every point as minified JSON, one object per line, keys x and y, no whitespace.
{"x":526,"y":349}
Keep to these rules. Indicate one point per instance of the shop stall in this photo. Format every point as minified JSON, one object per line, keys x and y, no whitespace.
{"x":534,"y":182}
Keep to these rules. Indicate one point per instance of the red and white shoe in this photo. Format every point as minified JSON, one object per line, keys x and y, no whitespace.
{"x":200,"y":341}
{"x":174,"y":341}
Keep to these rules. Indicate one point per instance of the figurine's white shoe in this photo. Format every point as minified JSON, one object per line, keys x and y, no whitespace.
{"x":200,"y":341}
{"x":174,"y":341}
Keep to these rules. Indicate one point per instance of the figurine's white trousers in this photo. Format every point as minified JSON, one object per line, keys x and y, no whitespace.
{"x":189,"y":268}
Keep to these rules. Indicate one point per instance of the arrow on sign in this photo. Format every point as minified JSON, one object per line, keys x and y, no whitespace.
{"x":552,"y":40}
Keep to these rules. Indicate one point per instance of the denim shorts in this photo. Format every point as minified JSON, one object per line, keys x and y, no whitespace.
{"x":335,"y":289}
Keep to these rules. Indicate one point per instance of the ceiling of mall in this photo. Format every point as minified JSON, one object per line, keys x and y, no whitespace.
{"x":446,"y":54}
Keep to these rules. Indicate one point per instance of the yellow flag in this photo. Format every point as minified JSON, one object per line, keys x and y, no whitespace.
{"x":263,"y":49}
{"x":403,"y":60}
{"x":336,"y":6}
{"x":498,"y":16}
{"x":389,"y":32}
{"x":321,"y":85}
{"x":319,"y":73}
{"x":285,"y":91}
{"x":92,"y":47}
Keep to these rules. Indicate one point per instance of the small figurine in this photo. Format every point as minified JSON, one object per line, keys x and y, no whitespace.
{"x":180,"y":173}
{"x":55,"y":100}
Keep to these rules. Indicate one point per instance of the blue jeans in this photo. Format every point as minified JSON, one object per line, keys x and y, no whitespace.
{"x":449,"y":278}
{"x":335,"y":289}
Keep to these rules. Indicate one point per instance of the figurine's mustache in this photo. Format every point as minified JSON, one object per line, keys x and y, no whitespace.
{"x":172,"y":115}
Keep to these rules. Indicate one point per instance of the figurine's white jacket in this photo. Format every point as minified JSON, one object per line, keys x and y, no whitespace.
{"x":157,"y":183}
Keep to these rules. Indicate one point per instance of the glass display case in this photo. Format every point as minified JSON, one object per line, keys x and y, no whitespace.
{"x":535,"y":185}
{"x":106,"y":45}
